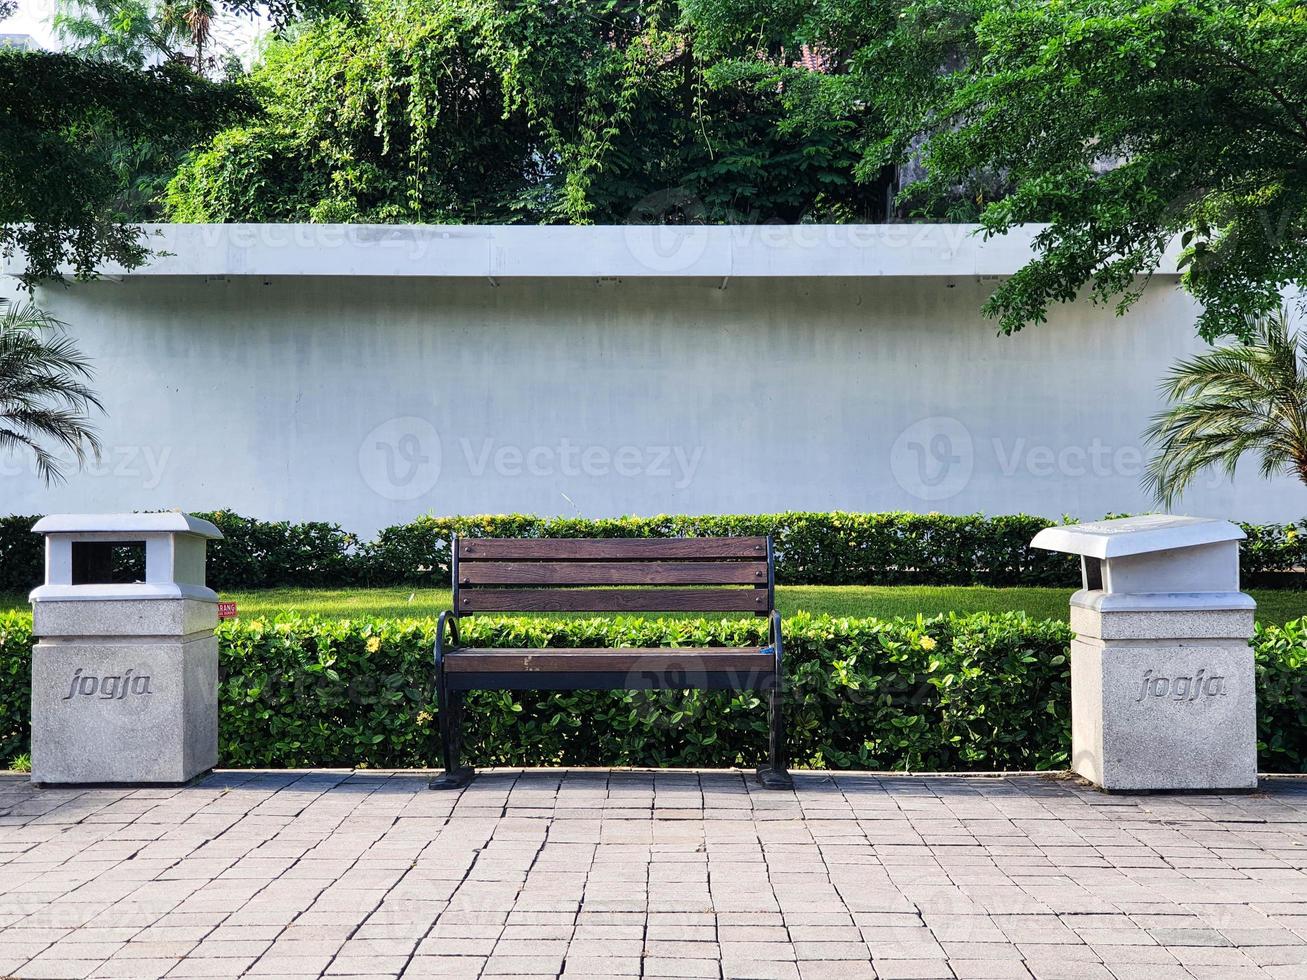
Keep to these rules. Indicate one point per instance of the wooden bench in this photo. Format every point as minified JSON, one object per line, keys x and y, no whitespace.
{"x":609,"y":575}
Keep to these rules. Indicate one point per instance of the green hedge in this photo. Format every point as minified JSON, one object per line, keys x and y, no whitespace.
{"x":979,"y":692}
{"x":22,"y":554}
{"x":812,"y":549}
{"x":15,"y":684}
{"x":833,"y":548}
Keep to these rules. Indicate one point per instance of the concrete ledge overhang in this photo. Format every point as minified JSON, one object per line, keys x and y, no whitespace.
{"x":583,"y":251}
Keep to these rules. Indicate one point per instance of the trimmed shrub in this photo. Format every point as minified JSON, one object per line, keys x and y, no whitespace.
{"x":834,"y":548}
{"x":22,"y":554}
{"x":960,"y":693}
{"x":256,"y":554}
{"x":1274,"y":555}
{"x":976,"y":693}
{"x":1282,"y":696}
{"x":15,"y":684}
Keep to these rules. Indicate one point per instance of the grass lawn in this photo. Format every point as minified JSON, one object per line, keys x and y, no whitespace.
{"x":850,"y":600}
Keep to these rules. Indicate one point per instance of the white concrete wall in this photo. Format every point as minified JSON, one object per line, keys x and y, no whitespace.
{"x":369,"y":400}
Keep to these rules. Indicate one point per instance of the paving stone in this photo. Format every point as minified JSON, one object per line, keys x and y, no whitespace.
{"x":1188,"y":937}
{"x":989,"y":969}
{"x":360,"y":965}
{"x":836,"y":970}
{"x":990,"y":952}
{"x":1069,"y":971}
{"x":1261,"y":937}
{"x":1136,"y":971}
{"x":136,"y":969}
{"x":749,"y":969}
{"x":657,"y":967}
{"x":524,"y":965}
{"x":192,"y":966}
{"x":889,"y":969}
{"x":592,"y":966}
{"x":41,"y":968}
{"x":1114,"y":955}
{"x":831,"y":950}
{"x":453,"y":967}
{"x":667,"y":874}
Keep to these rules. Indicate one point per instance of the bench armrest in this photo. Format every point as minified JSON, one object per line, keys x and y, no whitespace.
{"x":447,"y":618}
{"x":776,"y":642}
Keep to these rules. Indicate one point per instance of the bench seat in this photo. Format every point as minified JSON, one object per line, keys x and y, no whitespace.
{"x":670,"y":668}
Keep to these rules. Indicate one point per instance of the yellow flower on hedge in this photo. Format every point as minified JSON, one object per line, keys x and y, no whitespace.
{"x":374,"y":644}
{"x":928,"y":643}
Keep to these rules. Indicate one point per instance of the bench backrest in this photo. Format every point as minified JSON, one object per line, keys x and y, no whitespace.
{"x":647,"y":575}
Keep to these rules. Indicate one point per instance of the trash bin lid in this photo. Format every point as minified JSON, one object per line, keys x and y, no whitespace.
{"x":168,"y":522}
{"x":1136,"y":535}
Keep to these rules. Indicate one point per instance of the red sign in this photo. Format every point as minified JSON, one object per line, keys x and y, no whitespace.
{"x":226,"y":610}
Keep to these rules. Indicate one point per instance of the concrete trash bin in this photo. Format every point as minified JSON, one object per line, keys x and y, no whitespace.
{"x":124,"y":673}
{"x":1162,"y":680}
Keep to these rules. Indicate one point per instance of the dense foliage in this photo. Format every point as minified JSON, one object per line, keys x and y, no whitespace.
{"x":90,"y":136}
{"x":540,"y":111}
{"x":22,"y":554}
{"x":1282,"y":697}
{"x":961,"y":693}
{"x":979,"y":693}
{"x":1124,"y":123}
{"x":73,"y":134}
{"x":835,"y":548}
{"x":15,"y":685}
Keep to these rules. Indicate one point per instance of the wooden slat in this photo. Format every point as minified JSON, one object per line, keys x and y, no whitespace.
{"x":612,"y":600}
{"x":613,"y":680}
{"x":686,"y":660}
{"x":613,"y":573}
{"x":610,"y":549}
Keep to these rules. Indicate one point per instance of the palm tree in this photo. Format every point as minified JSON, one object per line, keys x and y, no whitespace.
{"x":44,"y":397}
{"x":137,"y":32}
{"x":1246,"y":397}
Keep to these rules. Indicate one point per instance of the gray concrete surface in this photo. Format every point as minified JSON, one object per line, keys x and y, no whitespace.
{"x":368,"y":401}
{"x":674,"y":874}
{"x":124,"y":711}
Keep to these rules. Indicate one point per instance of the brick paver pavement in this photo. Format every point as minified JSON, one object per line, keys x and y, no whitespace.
{"x":674,"y":874}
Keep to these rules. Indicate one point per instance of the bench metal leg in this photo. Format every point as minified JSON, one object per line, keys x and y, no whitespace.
{"x":776,"y":775}
{"x":450,"y":706}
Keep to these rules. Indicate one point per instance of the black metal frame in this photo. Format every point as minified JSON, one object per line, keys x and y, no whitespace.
{"x":777,"y":774}
{"x":450,"y":688}
{"x":449,"y":710}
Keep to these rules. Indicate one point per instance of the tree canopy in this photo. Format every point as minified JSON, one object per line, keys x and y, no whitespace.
{"x":542,"y":110}
{"x":71,"y":130}
{"x":1124,"y":124}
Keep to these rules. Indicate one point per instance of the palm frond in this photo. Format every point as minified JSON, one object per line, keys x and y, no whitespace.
{"x":47,"y":466}
{"x":1242,"y":398}
{"x":45,"y":396}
